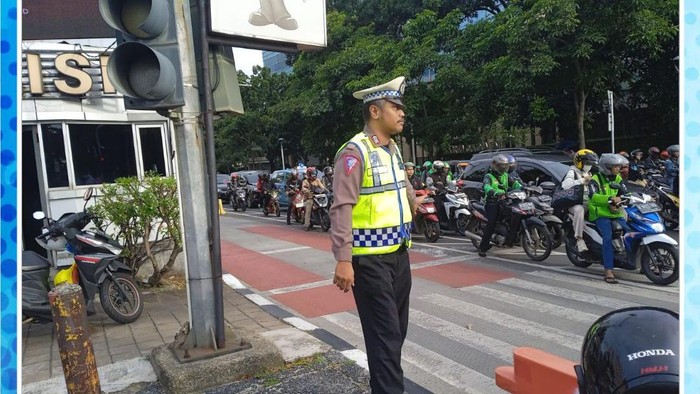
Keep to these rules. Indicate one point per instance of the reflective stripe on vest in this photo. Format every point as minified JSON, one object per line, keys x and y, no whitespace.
{"x":381,"y":218}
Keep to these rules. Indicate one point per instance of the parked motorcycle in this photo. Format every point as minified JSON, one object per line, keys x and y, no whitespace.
{"x":452,"y":209}
{"x":646,"y":245}
{"x":97,"y":268}
{"x":542,"y":202}
{"x":426,"y":220}
{"x":532,"y":232}
{"x":239,"y":199}
{"x":319,"y":211}
{"x":669,"y":202}
{"x":273,"y":205}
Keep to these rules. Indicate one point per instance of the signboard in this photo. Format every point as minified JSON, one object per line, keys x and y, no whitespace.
{"x":64,"y":19}
{"x":259,"y":22}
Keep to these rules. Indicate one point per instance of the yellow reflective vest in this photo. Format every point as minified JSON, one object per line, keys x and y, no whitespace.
{"x":381,"y":218}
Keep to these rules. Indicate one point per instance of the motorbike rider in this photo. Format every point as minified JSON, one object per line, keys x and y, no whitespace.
{"x":292,"y":185}
{"x":513,"y":169}
{"x":264,"y":185}
{"x":412,"y":177}
{"x":604,"y":207}
{"x":309,"y":187}
{"x":653,"y":161}
{"x":427,"y":170}
{"x":327,"y":178}
{"x":439,"y":175}
{"x":496,"y":184}
{"x":580,"y":174}
{"x":636,"y":171}
{"x":672,"y":166}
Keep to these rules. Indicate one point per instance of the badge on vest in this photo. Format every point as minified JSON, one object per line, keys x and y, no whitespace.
{"x":375,"y":139}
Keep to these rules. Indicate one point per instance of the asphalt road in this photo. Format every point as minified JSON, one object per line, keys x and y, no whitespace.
{"x":467,"y":313}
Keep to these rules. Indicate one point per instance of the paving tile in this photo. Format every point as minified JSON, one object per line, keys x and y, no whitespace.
{"x":115,"y":350}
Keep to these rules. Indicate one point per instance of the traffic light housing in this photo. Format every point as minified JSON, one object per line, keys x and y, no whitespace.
{"x":145,"y":65}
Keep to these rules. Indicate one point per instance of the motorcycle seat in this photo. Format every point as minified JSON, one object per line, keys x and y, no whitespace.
{"x":33,"y":261}
{"x":479,"y":206}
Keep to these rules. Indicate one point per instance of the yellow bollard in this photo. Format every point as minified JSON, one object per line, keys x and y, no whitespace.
{"x":221,"y":208}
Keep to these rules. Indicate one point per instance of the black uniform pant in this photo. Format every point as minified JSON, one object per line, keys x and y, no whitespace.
{"x":381,"y":291}
{"x":492,"y":211}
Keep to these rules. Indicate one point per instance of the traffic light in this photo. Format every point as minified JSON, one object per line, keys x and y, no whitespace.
{"x":145,"y":66}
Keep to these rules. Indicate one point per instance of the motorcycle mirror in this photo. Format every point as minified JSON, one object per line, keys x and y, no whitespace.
{"x":615,"y":186}
{"x":39,"y":215}
{"x":88,"y":194}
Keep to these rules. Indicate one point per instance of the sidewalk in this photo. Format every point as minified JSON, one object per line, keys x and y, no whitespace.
{"x":121,"y":351}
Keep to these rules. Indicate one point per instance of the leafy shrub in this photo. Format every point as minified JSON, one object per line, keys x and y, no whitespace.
{"x":144,"y":216}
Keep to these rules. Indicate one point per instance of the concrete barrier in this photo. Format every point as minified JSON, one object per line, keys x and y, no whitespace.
{"x":535,"y":371}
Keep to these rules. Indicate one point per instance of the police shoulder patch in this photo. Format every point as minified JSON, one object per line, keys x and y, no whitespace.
{"x":350,"y":162}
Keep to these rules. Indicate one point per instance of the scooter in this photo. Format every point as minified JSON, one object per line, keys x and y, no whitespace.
{"x":273,"y":205}
{"x":669,"y":202}
{"x":646,"y":245}
{"x":542,"y":202}
{"x":319,"y":211}
{"x":532,"y":232}
{"x":239,"y":199}
{"x":453,"y":211}
{"x":426,"y":220}
{"x":96,"y":268}
{"x":295,"y":209}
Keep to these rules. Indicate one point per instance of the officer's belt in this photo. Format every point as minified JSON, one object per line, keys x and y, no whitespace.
{"x":384,"y":188}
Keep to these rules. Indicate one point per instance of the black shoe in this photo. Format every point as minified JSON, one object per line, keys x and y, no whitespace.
{"x":482,"y":253}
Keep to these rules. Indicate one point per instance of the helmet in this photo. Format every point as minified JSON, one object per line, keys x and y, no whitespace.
{"x":609,"y":160}
{"x":637,"y":152}
{"x":512,"y":163}
{"x":624,"y":154}
{"x":654,"y":151}
{"x":427,"y":165}
{"x":499,"y":163}
{"x":664,"y":154}
{"x":438,"y":165}
{"x":409,"y":164}
{"x":673,"y":148}
{"x":631,"y":351}
{"x":585,"y":156}
{"x":311,"y":172}
{"x":234,"y":177}
{"x":328,"y":171}
{"x":266,"y":177}
{"x":294,"y":172}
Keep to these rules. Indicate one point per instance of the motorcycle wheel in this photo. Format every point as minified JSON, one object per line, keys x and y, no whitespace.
{"x":277,"y":210}
{"x":557,"y":233}
{"x":670,"y":218}
{"x":118,"y":309}
{"x":432,"y":231}
{"x":461,"y":223}
{"x":325,"y":221}
{"x":264,"y":210}
{"x":575,"y":260}
{"x":662,"y":260}
{"x":475,"y":226}
{"x":244,"y":206}
{"x":541,"y":247}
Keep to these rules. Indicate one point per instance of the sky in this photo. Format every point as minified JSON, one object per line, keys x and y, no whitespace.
{"x":245,"y":59}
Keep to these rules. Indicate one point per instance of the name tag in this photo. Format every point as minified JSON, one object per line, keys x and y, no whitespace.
{"x":380,"y":170}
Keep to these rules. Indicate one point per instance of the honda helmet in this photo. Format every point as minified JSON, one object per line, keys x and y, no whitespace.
{"x":608,"y":161}
{"x":499,"y":163}
{"x":631,"y":351}
{"x":585,"y":157}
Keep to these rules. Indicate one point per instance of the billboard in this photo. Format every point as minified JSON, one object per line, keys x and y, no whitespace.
{"x":64,"y":19}
{"x":300,"y":22}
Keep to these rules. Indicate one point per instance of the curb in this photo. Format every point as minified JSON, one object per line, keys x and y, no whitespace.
{"x":336,"y":343}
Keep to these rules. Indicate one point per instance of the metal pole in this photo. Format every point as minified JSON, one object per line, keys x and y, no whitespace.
{"x":282,"y":151}
{"x":208,"y":107}
{"x":73,"y":339}
{"x":611,"y":120}
{"x":195,"y":202}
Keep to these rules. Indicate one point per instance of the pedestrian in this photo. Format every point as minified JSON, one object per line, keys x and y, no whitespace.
{"x":370,"y":236}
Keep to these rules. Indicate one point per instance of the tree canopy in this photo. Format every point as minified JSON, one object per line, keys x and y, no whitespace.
{"x":479,"y":72}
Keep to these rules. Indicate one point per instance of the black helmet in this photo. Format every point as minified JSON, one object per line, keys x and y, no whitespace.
{"x":608,"y":161}
{"x":328,"y":171}
{"x":654,"y":151}
{"x":499,"y":163}
{"x":631,"y":351}
{"x":637,"y":152}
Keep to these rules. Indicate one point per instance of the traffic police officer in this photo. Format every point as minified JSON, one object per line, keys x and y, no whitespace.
{"x":371,"y":217}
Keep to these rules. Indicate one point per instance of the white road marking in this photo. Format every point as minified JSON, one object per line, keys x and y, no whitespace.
{"x":232,"y":281}
{"x":550,"y":334}
{"x":300,"y":323}
{"x":358,"y":356}
{"x":568,"y":294}
{"x":258,"y":299}
{"x":285,"y":250}
{"x":303,"y":286}
{"x":595,"y":280}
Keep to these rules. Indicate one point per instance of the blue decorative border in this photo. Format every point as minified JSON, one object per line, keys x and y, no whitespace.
{"x":8,"y":196}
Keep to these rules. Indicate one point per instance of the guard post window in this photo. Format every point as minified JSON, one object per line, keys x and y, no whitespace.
{"x":102,"y":153}
{"x":54,"y":155}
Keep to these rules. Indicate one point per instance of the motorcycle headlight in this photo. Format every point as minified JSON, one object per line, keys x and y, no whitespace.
{"x":658,"y":227}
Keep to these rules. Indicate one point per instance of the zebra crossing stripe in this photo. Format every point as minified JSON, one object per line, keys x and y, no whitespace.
{"x":465,"y":380}
{"x":594,"y":299}
{"x":358,"y":356}
{"x":553,"y":335}
{"x":593,"y":280}
{"x":483,"y":343}
{"x":532,"y":304}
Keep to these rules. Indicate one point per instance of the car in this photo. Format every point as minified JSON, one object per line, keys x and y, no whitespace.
{"x":545,"y":154}
{"x":529,"y":169}
{"x":279,"y":177}
{"x":222,"y":189}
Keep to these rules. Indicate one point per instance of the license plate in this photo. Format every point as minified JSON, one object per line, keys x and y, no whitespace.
{"x":648,"y":207}
{"x":430,"y":210}
{"x":299,"y":205}
{"x":526,"y":206}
